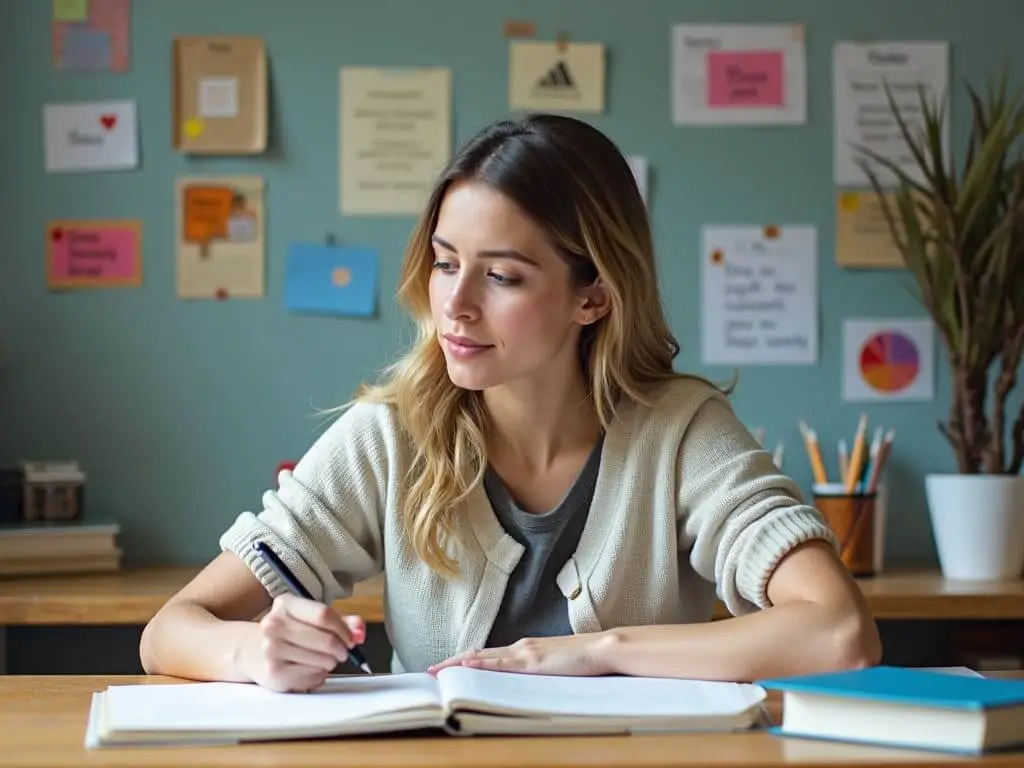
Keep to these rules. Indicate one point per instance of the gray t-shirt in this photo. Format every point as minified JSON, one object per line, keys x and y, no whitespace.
{"x":533,"y":606}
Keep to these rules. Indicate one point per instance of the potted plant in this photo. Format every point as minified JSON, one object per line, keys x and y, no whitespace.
{"x":961,"y":236}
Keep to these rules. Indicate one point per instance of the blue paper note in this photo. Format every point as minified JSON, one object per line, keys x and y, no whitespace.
{"x":86,"y":50}
{"x":331,"y":280}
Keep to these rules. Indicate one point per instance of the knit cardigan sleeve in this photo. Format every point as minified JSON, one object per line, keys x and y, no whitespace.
{"x":738,"y":514}
{"x":325,"y":518}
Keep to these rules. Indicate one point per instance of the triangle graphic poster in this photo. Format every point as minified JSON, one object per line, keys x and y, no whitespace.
{"x":557,"y":77}
{"x":546,"y":76}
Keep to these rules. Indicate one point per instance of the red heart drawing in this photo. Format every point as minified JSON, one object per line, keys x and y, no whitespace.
{"x":57,"y":235}
{"x":108,"y":121}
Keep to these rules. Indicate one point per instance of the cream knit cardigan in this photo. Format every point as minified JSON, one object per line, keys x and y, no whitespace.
{"x":686,"y":502}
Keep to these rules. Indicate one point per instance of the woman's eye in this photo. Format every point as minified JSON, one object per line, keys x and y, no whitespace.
{"x":503,"y":279}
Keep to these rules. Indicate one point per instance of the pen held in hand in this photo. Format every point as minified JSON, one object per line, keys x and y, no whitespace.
{"x":277,"y":565}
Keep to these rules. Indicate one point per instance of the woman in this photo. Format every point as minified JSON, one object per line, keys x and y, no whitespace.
{"x":542,"y":491}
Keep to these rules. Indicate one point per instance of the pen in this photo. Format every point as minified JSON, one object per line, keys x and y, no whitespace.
{"x":284,"y":572}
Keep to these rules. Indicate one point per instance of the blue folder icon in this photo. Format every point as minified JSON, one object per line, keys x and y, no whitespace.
{"x":331,"y":280}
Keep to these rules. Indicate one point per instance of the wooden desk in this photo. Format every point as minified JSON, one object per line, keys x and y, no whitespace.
{"x":43,"y":720}
{"x":133,"y":596}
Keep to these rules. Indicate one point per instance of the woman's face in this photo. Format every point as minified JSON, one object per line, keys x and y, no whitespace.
{"x":500,"y":294}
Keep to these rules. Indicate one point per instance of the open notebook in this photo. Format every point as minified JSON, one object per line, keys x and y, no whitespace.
{"x":458,"y":700}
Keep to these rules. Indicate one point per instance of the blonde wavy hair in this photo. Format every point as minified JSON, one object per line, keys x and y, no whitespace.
{"x":573,"y":181}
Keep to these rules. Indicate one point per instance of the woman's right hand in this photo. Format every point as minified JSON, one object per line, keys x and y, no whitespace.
{"x":298,"y":643}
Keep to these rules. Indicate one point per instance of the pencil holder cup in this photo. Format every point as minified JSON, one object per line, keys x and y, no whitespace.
{"x":858,"y":521}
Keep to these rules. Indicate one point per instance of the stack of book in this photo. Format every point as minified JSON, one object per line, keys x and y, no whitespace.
{"x":31,"y":548}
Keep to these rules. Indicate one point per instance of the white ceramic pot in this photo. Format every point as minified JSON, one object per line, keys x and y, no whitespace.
{"x":978,"y":524}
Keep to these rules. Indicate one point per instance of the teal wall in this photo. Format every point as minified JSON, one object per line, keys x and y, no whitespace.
{"x":180,"y":410}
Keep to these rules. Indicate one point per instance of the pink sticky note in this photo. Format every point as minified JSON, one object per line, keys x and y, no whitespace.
{"x":84,"y":254}
{"x":745,"y":79}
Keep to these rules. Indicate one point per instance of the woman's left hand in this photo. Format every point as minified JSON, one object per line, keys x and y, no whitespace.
{"x":582,"y":655}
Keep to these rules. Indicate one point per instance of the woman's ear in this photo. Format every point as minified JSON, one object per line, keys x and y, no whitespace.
{"x":595,"y":303}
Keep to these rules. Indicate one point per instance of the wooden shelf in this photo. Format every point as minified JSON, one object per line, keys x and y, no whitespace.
{"x":132,"y":596}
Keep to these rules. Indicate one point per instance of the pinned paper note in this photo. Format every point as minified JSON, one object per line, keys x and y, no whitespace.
{"x":331,"y":280}
{"x":863,"y":236}
{"x":746,"y":79}
{"x":736,"y":73}
{"x":395,"y":136}
{"x":862,"y":115}
{"x":556,"y":76}
{"x":759,"y":294}
{"x":93,"y":254}
{"x":91,"y":136}
{"x":219,"y":95}
{"x":220,"y":223}
{"x":91,"y":35}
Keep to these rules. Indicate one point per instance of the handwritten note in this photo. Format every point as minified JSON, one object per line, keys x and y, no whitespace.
{"x":94,"y":254}
{"x":759,"y":295}
{"x":863,"y":116}
{"x":90,"y":136}
{"x":745,"y":78}
{"x":726,"y":74}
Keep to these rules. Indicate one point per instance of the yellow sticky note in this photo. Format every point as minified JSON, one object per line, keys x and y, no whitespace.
{"x":193,"y":127}
{"x":70,"y":10}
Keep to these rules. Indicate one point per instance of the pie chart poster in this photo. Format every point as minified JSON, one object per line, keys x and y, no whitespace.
{"x":888,"y":359}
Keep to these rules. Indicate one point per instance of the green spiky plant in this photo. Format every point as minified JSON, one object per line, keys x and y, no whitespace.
{"x":961,"y":236}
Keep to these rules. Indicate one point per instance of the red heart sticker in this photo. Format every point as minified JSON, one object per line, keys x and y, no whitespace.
{"x":221,"y":294}
{"x":108,"y":121}
{"x":57,"y":235}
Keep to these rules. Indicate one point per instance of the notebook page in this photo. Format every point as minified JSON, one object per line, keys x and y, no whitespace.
{"x":238,"y":707}
{"x":597,"y":696}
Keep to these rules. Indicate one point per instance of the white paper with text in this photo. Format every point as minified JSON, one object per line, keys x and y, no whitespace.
{"x":760,"y":295}
{"x":863,"y":116}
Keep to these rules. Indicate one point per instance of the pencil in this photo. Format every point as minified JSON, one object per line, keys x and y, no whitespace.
{"x":844,"y":458}
{"x":879,"y":463}
{"x":779,"y":452}
{"x":869,"y":465}
{"x":857,"y":455}
{"x":814,"y":453}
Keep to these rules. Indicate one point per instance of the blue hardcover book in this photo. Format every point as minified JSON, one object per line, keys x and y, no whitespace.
{"x":903,"y":707}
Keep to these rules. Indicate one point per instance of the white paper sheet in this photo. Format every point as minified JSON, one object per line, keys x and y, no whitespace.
{"x":553,"y":695}
{"x":395,"y":137}
{"x":760,"y":295}
{"x":738,"y":73}
{"x":861,"y":111}
{"x":91,"y":136}
{"x":241,"y":707}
